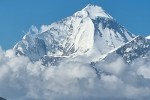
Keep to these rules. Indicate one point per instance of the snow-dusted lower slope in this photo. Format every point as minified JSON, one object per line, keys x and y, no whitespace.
{"x":89,"y":31}
{"x":139,"y":47}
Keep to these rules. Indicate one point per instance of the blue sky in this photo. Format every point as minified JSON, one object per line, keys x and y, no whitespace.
{"x":17,"y":16}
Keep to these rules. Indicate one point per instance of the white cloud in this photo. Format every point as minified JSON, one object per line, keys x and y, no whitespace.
{"x":21,"y":79}
{"x":115,"y":67}
{"x":144,"y":71}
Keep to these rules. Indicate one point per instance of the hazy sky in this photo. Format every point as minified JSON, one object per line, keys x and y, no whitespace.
{"x":16,"y":16}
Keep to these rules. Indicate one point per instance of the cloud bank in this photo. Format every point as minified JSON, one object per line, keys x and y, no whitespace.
{"x":20,"y":79}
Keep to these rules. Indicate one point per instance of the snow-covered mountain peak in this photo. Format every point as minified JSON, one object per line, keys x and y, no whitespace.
{"x":95,"y":11}
{"x":90,"y":31}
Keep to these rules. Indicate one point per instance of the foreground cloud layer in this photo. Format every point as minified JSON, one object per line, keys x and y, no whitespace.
{"x":21,"y":79}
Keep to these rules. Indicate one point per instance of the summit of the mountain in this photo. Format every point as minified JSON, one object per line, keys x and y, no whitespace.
{"x":94,"y":11}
